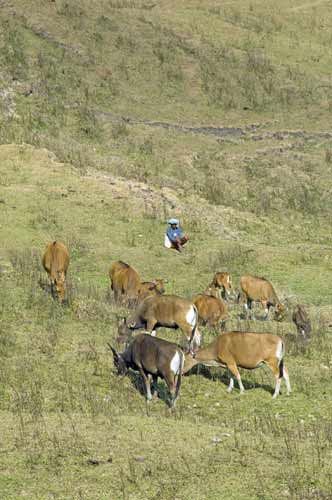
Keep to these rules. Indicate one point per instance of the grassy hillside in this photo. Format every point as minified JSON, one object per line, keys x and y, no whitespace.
{"x":114,"y":116}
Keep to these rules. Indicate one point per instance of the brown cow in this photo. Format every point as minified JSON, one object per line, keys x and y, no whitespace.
{"x":223,"y":281}
{"x":167,"y":311}
{"x":55,"y":262}
{"x":302,"y":321}
{"x":256,"y":289}
{"x":211,"y":309}
{"x":152,"y":356}
{"x":245,"y":350}
{"x":126,"y":284}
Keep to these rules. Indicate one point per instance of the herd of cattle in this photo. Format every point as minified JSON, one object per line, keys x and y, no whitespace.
{"x":154,"y":357}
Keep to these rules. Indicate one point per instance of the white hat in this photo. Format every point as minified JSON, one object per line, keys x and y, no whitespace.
{"x":173,"y":221}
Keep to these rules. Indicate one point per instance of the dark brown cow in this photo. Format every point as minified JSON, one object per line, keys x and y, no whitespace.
{"x":126,"y":284}
{"x":211,"y":309}
{"x":302,"y":321}
{"x":245,"y":350}
{"x":152,"y":356}
{"x":55,"y":262}
{"x":255,"y":289}
{"x":223,"y":281}
{"x":167,"y":311}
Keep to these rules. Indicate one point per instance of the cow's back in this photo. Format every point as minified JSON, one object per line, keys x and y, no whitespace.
{"x":258,"y":289}
{"x":124,"y":277}
{"x":247,"y":348}
{"x":164,"y":307}
{"x":56,"y":258}
{"x":210,"y":309}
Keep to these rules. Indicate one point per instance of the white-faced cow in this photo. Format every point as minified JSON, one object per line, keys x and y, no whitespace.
{"x":167,"y":311}
{"x":55,"y":262}
{"x":255,"y":289}
{"x":154,"y":357}
{"x":245,"y":350}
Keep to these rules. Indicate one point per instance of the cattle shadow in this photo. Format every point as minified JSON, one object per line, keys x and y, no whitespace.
{"x":224,"y":378}
{"x":138,"y":383}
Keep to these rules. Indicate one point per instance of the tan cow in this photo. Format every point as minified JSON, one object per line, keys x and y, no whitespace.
{"x":222,"y":281}
{"x":256,"y":289}
{"x":167,"y":311}
{"x":211,"y":309}
{"x":55,"y":262}
{"x":245,"y":350}
{"x":126,"y":284}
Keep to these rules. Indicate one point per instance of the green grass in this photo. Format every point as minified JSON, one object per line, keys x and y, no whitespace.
{"x":82,"y":162}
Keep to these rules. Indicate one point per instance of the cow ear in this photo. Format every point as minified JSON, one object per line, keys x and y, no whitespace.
{"x":153,"y":285}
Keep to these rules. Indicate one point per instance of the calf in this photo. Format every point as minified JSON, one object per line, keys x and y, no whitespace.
{"x":55,"y":262}
{"x":167,"y":311}
{"x":245,"y":350}
{"x":302,"y":321}
{"x":223,"y":281}
{"x":256,"y":289}
{"x":154,"y":357}
{"x":211,"y":309}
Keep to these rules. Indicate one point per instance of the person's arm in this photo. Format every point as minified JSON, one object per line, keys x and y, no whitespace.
{"x":170,"y":234}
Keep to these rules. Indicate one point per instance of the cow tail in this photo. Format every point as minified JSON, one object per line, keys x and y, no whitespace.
{"x":179,"y":378}
{"x":281,"y":362}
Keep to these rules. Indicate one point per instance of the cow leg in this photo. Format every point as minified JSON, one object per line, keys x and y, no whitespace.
{"x":154,"y":388}
{"x":170,"y":381}
{"x":286,"y":377}
{"x":146,"y":380}
{"x":234,"y":371}
{"x":273,"y":364}
{"x":266,"y":306}
{"x":231,"y":384}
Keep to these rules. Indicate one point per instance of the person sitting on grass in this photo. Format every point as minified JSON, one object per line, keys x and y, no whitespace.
{"x":174,"y":237}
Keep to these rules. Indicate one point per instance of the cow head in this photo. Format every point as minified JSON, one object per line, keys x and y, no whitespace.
{"x":223,"y":280}
{"x":59,"y":285}
{"x":280,"y":311}
{"x":119,"y":362}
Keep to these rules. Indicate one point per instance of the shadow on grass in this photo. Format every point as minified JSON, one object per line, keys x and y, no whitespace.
{"x":225,"y":378}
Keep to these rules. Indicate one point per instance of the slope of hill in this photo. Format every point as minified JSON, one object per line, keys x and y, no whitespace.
{"x":116,"y":115}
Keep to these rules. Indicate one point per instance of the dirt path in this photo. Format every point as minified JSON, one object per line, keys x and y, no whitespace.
{"x":308,"y":5}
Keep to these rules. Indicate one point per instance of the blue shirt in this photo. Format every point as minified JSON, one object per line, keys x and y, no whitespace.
{"x":173,"y":234}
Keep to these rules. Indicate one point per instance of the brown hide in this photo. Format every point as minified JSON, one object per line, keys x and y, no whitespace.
{"x":211,"y":310}
{"x":245,"y":350}
{"x":153,"y":356}
{"x":255,"y":289}
{"x":147,"y":288}
{"x":302,"y":321}
{"x":55,"y":262}
{"x":223,"y":281}
{"x":167,"y":311}
{"x":125,"y":281}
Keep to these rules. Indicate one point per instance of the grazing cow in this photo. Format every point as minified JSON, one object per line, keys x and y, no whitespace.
{"x":256,"y":289}
{"x":167,"y":311}
{"x":55,"y":262}
{"x":211,"y":309}
{"x":302,"y":321}
{"x":245,"y":350}
{"x":223,"y":281}
{"x":125,"y":281}
{"x":126,"y":284}
{"x":153,"y":356}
